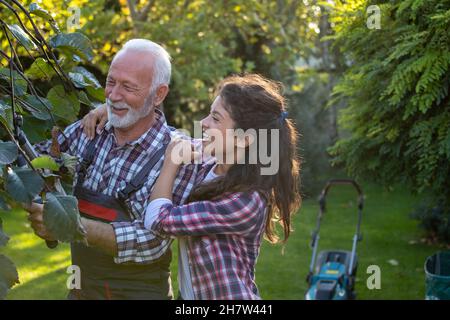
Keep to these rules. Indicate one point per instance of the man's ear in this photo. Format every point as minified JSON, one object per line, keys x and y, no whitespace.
{"x":161,"y":94}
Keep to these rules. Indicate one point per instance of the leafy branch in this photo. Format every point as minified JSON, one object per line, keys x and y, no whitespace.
{"x":24,"y":175}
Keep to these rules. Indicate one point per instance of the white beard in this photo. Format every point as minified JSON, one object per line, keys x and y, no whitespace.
{"x":131,"y":117}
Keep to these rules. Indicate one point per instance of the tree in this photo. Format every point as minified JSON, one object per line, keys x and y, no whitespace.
{"x":207,"y":40}
{"x":55,"y":59}
{"x":397,"y":95}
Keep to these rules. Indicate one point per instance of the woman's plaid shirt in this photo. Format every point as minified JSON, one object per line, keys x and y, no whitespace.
{"x":224,"y":238}
{"x":114,"y":166}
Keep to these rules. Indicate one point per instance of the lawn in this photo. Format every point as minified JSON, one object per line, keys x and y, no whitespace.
{"x":390,"y":240}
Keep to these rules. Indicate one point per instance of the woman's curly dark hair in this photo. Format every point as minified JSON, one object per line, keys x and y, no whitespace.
{"x":255,"y":102}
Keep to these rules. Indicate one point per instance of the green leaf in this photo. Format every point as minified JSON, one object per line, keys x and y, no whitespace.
{"x":6,"y":121}
{"x":45,"y":162}
{"x":38,"y":110}
{"x":62,"y":218}
{"x":3,"y":109}
{"x":20,"y":85}
{"x":83,"y":98}
{"x":23,"y":184}
{"x":40,"y":69}
{"x":35,"y":129}
{"x":35,"y":9}
{"x":8,"y":275}
{"x":3,"y":237}
{"x":8,"y":152}
{"x":78,"y":80}
{"x":3,"y":204}
{"x":73,"y":43}
{"x":82,"y":78}
{"x":22,"y":37}
{"x":97,"y":94}
{"x":65,"y":105}
{"x":3,"y":290}
{"x":88,"y":76}
{"x":5,"y":114}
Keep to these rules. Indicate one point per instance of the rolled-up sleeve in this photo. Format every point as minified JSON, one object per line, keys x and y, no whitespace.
{"x":152,"y":211}
{"x":137,"y":244}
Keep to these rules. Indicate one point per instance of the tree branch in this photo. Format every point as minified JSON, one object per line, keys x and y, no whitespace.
{"x":30,"y":85}
{"x":42,"y":43}
{"x":131,"y":6}
{"x":144,"y":13}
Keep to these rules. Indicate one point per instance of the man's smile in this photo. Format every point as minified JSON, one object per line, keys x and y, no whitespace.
{"x":119,"y":111}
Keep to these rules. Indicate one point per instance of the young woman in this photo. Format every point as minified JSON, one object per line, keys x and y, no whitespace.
{"x":234,"y":205}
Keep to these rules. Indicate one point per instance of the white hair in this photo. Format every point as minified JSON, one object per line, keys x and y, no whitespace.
{"x":162,"y":67}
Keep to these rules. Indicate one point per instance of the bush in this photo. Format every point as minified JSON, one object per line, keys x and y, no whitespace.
{"x":397,"y":95}
{"x":435,"y":220}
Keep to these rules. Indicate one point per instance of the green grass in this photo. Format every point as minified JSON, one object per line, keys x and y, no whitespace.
{"x":388,"y":233}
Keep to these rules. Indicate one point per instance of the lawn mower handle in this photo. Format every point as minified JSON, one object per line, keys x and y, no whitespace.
{"x":332,"y":182}
{"x":322,"y":208}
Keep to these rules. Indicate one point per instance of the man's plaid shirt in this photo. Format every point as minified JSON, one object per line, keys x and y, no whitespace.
{"x":113,"y":167}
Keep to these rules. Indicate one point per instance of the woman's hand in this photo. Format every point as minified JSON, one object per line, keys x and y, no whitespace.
{"x":95,"y":118}
{"x":180,"y":151}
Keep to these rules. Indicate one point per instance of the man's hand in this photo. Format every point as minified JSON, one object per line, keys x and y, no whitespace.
{"x":94,"y":121}
{"x":100,"y":235}
{"x":35,"y":211}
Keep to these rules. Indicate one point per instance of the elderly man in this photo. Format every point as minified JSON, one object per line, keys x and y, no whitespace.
{"x":123,"y":260}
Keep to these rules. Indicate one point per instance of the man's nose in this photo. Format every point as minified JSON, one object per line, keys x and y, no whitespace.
{"x":115,"y":94}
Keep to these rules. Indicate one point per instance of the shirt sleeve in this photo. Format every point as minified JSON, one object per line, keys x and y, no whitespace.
{"x":137,"y":244}
{"x":152,"y":211}
{"x":238,"y":213}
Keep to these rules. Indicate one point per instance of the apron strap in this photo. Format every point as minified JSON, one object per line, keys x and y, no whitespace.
{"x":86,"y":161}
{"x":138,"y":180}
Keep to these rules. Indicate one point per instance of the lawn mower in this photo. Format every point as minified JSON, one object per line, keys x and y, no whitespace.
{"x":332,"y":276}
